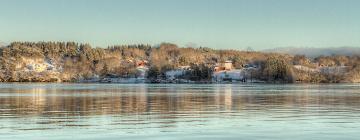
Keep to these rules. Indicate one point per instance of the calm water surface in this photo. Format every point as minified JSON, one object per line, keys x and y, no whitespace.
{"x":113,"y":111}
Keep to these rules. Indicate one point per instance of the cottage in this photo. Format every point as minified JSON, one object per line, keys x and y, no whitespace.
{"x":142,"y":71}
{"x":142,"y":63}
{"x":226,"y":66}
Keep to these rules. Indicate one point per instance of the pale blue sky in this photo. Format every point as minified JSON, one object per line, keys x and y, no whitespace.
{"x":234,"y":24}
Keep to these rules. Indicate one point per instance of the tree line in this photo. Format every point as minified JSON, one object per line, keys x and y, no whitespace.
{"x":75,"y":60}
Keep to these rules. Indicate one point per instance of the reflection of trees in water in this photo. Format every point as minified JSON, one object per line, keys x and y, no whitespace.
{"x":161,"y":100}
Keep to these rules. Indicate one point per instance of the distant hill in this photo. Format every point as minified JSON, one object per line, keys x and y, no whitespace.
{"x":314,"y":52}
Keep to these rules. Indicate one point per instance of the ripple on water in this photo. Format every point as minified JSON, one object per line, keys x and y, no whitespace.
{"x":254,"y":111}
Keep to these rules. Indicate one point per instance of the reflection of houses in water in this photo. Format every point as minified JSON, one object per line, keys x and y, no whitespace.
{"x":139,"y":99}
{"x":135,"y":100}
{"x":39,"y":98}
{"x":228,"y":98}
{"x":223,"y":97}
{"x":167,"y":102}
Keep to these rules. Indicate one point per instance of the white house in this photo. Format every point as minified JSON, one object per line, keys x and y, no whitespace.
{"x":231,"y":76}
{"x":142,"y":71}
{"x":226,"y":72}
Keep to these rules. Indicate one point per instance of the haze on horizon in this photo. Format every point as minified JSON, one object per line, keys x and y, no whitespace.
{"x":232,"y":24}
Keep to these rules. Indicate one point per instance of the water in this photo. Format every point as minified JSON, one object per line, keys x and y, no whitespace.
{"x":224,"y":111}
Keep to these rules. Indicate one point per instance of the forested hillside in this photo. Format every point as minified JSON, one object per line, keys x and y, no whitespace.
{"x":70,"y":61}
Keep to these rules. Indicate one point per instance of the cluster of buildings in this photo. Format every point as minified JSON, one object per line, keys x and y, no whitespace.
{"x":221,"y":72}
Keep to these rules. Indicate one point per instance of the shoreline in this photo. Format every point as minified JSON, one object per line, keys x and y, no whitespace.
{"x":196,"y":83}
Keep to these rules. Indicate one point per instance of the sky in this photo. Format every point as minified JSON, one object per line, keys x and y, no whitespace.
{"x":230,"y":24}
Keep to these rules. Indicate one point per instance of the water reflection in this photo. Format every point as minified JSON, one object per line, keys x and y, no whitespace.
{"x":173,"y":108}
{"x":55,"y":100}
